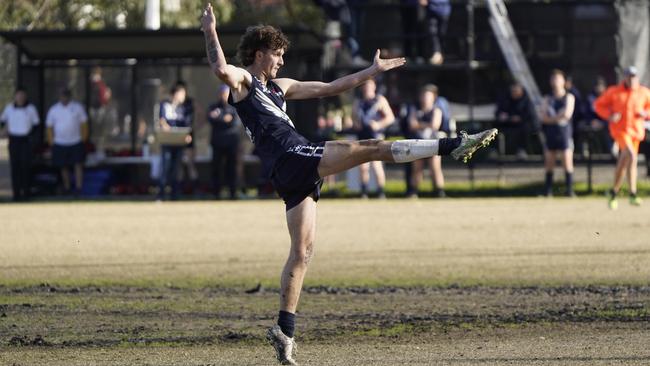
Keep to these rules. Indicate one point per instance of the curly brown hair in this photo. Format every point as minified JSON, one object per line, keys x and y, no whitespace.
{"x":260,"y":38}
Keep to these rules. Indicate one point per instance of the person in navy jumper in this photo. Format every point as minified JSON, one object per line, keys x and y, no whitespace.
{"x":173,"y":113}
{"x":225,"y":124}
{"x":297,"y":166}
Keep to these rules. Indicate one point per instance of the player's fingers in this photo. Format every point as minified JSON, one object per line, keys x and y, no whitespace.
{"x":377,"y":54}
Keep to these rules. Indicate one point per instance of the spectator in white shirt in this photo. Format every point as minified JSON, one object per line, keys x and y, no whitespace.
{"x":19,"y":118}
{"x":67,"y":131}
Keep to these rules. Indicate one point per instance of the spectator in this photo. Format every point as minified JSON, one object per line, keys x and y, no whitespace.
{"x":413,"y":16}
{"x":344,"y":18}
{"x":579,"y":112}
{"x":515,"y":117}
{"x":20,"y":117}
{"x":626,"y":106}
{"x":173,"y":114}
{"x":438,"y":12}
{"x":190,"y":150}
{"x":103,"y":111}
{"x":354,"y":30}
{"x":579,"y":108}
{"x":225,"y":143}
{"x":594,"y":125}
{"x":371,"y":115}
{"x":424,"y":20}
{"x":67,"y":131}
{"x":425,"y":122}
{"x":556,"y":115}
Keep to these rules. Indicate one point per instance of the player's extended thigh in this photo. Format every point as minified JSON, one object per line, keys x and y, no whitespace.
{"x":339,"y":156}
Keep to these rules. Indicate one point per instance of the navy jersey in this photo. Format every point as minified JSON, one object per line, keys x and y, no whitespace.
{"x":555,"y":105}
{"x":442,"y":104}
{"x":176,"y":116}
{"x":367,"y":111}
{"x":263,"y":113}
{"x":188,"y":106}
{"x":223,"y":133}
{"x":423,"y":118}
{"x":557,"y":136}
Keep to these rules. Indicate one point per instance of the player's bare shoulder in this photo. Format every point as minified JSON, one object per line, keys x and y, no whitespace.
{"x":284,"y":84}
{"x":241,"y":90}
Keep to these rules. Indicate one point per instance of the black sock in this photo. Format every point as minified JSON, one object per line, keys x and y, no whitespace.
{"x":380,"y":190}
{"x":548,"y":183}
{"x":287,"y":322}
{"x":569,"y":182}
{"x":447,"y":145}
{"x":364,"y":189}
{"x":613,"y":192}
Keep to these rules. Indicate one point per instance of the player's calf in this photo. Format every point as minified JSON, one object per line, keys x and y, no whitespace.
{"x":463,"y":147}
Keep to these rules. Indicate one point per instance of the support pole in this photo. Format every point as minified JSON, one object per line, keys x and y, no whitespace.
{"x":471,"y":55}
{"x":134,"y":107}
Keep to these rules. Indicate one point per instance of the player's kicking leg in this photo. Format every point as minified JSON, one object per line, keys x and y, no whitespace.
{"x":301,"y":221}
{"x":339,"y":156}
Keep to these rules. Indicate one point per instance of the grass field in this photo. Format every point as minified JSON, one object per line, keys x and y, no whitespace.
{"x":459,"y":281}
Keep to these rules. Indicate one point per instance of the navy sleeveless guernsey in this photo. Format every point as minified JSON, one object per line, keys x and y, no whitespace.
{"x":290,"y":158}
{"x":557,"y":136}
{"x":263,"y":113}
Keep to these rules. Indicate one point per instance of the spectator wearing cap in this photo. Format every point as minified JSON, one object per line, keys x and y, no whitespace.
{"x":67,"y":130}
{"x":626,"y":106}
{"x":225,"y":138}
{"x":20,"y":117}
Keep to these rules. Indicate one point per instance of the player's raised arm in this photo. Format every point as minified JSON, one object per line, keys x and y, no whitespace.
{"x":233,"y":76}
{"x":294,"y":89}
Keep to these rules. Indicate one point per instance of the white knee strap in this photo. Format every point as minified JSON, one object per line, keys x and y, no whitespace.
{"x":405,"y":151}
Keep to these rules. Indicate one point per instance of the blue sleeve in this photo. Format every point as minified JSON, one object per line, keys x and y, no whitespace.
{"x":162,"y":113}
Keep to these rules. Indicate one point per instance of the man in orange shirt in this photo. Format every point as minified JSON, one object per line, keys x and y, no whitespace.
{"x":626,"y":106}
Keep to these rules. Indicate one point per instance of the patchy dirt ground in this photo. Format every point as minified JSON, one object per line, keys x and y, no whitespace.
{"x":338,"y":326}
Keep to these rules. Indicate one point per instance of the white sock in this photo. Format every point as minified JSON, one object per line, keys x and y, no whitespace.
{"x":405,"y":151}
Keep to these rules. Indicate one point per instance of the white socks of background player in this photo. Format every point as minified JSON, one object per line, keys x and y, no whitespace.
{"x":405,"y":151}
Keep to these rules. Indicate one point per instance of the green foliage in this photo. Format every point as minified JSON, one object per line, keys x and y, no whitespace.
{"x":111,"y":14}
{"x":281,"y":13}
{"x":104,"y":14}
{"x":186,"y":15}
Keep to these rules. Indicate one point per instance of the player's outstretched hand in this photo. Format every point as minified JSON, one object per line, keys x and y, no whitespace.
{"x":385,"y":64}
{"x":207,"y":18}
